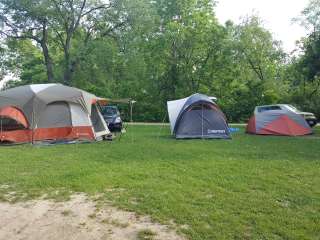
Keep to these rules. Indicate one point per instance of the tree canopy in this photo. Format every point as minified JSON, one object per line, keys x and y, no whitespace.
{"x":159,"y":50}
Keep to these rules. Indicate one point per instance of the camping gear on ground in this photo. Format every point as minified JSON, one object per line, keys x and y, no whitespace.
{"x":197,"y":117}
{"x":278,"y":122}
{"x":50,"y":112}
{"x":234,"y":130}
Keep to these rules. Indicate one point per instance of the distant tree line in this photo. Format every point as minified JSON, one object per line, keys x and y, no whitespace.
{"x":159,"y":50}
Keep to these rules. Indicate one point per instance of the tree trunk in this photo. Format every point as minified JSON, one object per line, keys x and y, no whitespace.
{"x":46,"y":54}
{"x":45,"y":51}
{"x":47,"y":61}
{"x":67,"y":75}
{"x":68,"y":68}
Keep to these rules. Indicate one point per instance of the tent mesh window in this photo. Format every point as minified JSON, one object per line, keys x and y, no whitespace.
{"x":9,"y":124}
{"x":96,"y":119}
{"x":201,"y":107}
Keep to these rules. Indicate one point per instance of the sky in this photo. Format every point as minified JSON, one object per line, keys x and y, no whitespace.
{"x":277,"y":16}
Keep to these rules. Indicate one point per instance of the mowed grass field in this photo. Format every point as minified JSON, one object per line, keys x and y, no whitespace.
{"x":251,"y":187}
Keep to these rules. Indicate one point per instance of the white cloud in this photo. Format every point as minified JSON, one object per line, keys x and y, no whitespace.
{"x":276,"y":14}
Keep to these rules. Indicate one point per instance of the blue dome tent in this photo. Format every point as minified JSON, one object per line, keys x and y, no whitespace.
{"x":197,"y":117}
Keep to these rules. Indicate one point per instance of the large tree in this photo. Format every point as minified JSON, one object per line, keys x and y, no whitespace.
{"x":27,"y":19}
{"x":2,"y":67}
{"x":188,"y":38}
{"x":57,"y":22}
{"x":253,"y":68}
{"x":303,"y":71}
{"x":152,"y":51}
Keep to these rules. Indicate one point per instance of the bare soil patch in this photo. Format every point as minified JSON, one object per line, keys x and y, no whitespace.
{"x":76,"y":219}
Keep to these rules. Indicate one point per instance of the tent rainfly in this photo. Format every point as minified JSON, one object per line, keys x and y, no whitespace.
{"x":279,"y":123}
{"x":50,"y":112}
{"x":197,"y":117}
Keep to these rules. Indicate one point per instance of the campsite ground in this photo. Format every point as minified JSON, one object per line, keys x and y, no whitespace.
{"x":251,"y":187}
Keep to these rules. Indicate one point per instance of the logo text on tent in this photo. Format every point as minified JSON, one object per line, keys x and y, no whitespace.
{"x":216,"y":131}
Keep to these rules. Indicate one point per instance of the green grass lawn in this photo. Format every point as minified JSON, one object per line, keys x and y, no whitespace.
{"x":251,"y":187}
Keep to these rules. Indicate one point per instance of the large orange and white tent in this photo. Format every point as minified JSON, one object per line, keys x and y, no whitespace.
{"x":50,"y":112}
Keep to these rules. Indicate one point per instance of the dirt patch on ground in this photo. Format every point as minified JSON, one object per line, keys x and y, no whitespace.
{"x":78,"y":218}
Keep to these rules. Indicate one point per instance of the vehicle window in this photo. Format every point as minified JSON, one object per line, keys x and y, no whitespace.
{"x":273,"y":108}
{"x":109,"y":111}
{"x":268,"y":108}
{"x":263,"y":109}
{"x":292,"y":108}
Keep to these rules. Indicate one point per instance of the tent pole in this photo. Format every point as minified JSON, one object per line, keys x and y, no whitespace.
{"x":32,"y":126}
{"x":32,"y":130}
{"x":162,"y":124}
{"x":1,"y":126}
{"x":131,"y":106}
{"x":202,"y":120}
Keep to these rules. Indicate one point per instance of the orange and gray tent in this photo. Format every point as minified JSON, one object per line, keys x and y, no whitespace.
{"x":279,"y":123}
{"x":197,"y":117}
{"x":50,"y":112}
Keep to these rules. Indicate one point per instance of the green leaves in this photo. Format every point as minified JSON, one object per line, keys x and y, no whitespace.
{"x":304,"y":70}
{"x":155,"y":51}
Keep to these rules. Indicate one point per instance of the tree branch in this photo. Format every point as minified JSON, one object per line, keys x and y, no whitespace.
{"x":118,"y":25}
{"x":77,"y":22}
{"x":60,"y":38}
{"x":65,"y":22}
{"x":32,"y":37}
{"x":104,"y":6}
